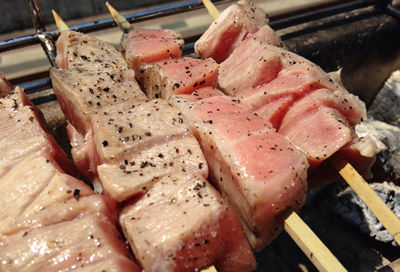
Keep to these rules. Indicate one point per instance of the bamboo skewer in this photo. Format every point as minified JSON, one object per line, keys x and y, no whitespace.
{"x":370,"y":198}
{"x":304,"y":237}
{"x":388,"y":219}
{"x":61,"y":25}
{"x":120,"y":20}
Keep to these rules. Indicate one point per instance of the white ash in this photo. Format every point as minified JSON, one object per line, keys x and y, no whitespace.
{"x":387,"y":140}
{"x":352,"y":209}
{"x":386,"y":106}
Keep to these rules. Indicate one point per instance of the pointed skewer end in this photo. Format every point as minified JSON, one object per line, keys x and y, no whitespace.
{"x":120,"y":20}
{"x":61,"y":25}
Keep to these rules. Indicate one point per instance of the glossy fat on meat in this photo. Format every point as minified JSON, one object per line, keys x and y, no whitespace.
{"x":261,"y":174}
{"x":179,"y":76}
{"x":134,"y":148}
{"x":145,"y":46}
{"x":83,"y":94}
{"x":183,"y":224}
{"x":229,"y":29}
{"x":62,"y":247}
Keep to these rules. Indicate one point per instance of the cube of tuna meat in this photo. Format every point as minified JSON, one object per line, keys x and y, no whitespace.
{"x":204,"y":109}
{"x":179,"y":76}
{"x":257,"y":63}
{"x":30,"y":184}
{"x":83,"y":94}
{"x":183,"y":224}
{"x":78,"y":50}
{"x":318,"y":125}
{"x":45,"y":212}
{"x":261,"y":174}
{"x":229,"y":29}
{"x":129,"y":150}
{"x":64,"y":246}
{"x":23,"y":130}
{"x":360,"y":153}
{"x":294,"y":81}
{"x":146,"y":46}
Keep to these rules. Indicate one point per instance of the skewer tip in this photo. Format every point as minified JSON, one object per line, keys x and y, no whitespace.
{"x":61,"y":25}
{"x":120,"y":20}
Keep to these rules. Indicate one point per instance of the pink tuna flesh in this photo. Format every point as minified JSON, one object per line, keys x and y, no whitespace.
{"x":260,"y":173}
{"x":183,"y":224}
{"x":229,"y":29}
{"x":179,"y":76}
{"x":145,"y":46}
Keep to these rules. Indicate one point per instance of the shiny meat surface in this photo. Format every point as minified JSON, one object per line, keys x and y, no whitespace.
{"x":260,"y":173}
{"x":179,"y":76}
{"x":183,"y":224}
{"x":229,"y":29}
{"x":146,"y":46}
{"x":50,"y":220}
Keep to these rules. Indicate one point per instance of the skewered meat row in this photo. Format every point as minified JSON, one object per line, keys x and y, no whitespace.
{"x":146,"y":158}
{"x":244,"y":163}
{"x":50,"y":220}
{"x":280,"y":85}
{"x":275,"y":90}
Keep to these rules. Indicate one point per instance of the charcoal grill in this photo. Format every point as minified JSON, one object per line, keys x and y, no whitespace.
{"x":361,"y":37}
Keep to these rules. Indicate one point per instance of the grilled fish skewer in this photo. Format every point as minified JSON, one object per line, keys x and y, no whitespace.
{"x":294,"y":224}
{"x":352,"y":177}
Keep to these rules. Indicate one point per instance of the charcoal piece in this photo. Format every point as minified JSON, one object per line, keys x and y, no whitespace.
{"x":352,"y":209}
{"x":386,"y":106}
{"x":387,"y":140}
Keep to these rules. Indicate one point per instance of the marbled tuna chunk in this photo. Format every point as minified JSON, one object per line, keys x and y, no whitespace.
{"x":75,"y":49}
{"x":183,"y":224}
{"x":145,"y":46}
{"x":137,"y":173}
{"x":22,"y":130}
{"x":180,"y":76}
{"x":48,"y":217}
{"x":249,"y":65}
{"x":316,"y":128}
{"x":260,"y":173}
{"x":62,"y":247}
{"x":229,"y":29}
{"x":134,"y":148}
{"x":83,"y":94}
